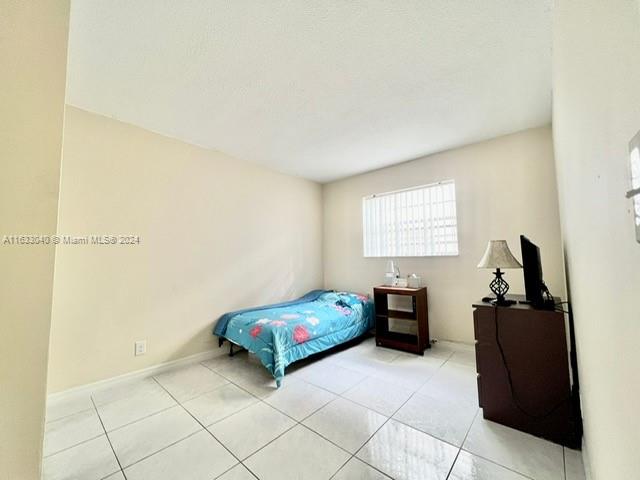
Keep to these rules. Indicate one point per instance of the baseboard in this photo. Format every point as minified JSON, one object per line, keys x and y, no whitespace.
{"x":145,"y":372}
{"x":461,"y":342}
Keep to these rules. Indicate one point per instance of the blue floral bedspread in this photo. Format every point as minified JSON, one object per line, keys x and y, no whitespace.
{"x":283,"y":333}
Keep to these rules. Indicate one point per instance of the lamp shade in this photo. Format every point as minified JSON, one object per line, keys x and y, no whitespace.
{"x":498,"y":255}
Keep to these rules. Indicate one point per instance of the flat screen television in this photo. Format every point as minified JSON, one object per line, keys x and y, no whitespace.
{"x":532,"y":267}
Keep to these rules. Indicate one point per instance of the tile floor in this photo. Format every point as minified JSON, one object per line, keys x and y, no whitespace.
{"x":359,"y":413}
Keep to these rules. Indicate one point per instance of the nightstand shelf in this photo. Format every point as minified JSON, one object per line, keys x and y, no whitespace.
{"x":402,"y":341}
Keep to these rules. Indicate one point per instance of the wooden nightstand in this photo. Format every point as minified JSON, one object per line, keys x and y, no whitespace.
{"x":402,"y":341}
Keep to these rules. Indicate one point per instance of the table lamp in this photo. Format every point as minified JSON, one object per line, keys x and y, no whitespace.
{"x":392,"y":274}
{"x":499,"y":256}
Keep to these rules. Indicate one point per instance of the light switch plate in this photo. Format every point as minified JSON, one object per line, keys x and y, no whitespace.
{"x":140,"y":347}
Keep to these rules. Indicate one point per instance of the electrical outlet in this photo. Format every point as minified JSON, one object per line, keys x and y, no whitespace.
{"x":140,"y":347}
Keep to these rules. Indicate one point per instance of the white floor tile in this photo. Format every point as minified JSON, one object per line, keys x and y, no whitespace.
{"x":256,"y":380}
{"x":141,"y":403}
{"x":188,"y":382}
{"x":124,"y":389}
{"x":145,"y":437}
{"x":239,"y":472}
{"x":92,"y":460}
{"x":156,"y":438}
{"x":250,"y":429}
{"x":300,"y":399}
{"x":440,"y":349}
{"x":358,"y":470}
{"x":71,"y":430}
{"x":345,"y":423}
{"x":243,"y":362}
{"x":298,"y":454}
{"x":518,"y":451}
{"x":453,"y":381}
{"x":116,"y":476}
{"x":370,"y":351}
{"x":364,"y":358}
{"x":418,"y":364}
{"x":573,"y":464}
{"x":464,"y":358}
{"x":409,"y":372}
{"x":362,"y":365}
{"x":219,"y":403}
{"x":446,"y":348}
{"x":69,"y":404}
{"x":296,"y":369}
{"x":379,"y":395}
{"x":198,"y":457}
{"x":224,"y":360}
{"x":470,"y":467}
{"x":334,"y":378}
{"x":404,"y":453}
{"x":444,"y":418}
{"x":260,"y":384}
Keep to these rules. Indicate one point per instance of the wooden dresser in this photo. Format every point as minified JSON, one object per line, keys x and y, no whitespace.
{"x":523,"y":370}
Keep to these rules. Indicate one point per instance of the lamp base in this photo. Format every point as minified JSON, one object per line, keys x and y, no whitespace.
{"x":499,"y":302}
{"x":502,"y":302}
{"x":500,"y":287}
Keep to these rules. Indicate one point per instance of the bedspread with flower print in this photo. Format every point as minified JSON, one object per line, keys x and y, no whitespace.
{"x":284,"y":333}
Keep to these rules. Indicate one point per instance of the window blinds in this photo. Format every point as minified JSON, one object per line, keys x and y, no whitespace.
{"x":415,"y":222}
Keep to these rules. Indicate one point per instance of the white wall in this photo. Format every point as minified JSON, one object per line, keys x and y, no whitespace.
{"x":596,"y":86}
{"x":505,"y":187}
{"x":33,"y":52}
{"x":217,"y":234}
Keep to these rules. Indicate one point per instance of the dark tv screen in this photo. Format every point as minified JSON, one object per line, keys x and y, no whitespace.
{"x":532,"y":268}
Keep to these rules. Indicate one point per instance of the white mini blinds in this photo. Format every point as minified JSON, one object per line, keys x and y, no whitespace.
{"x":414,"y":222}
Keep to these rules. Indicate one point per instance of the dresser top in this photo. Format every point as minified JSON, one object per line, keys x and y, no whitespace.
{"x":516,"y":306}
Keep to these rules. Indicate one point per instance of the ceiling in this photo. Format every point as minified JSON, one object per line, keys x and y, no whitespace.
{"x":320,"y":89}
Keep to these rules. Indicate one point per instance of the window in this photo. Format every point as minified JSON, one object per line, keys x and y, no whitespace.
{"x":415,"y":222}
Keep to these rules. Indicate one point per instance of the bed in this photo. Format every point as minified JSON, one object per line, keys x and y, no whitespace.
{"x":282,"y":333}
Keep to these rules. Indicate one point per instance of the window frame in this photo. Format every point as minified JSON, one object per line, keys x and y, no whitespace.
{"x":368,"y":254}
